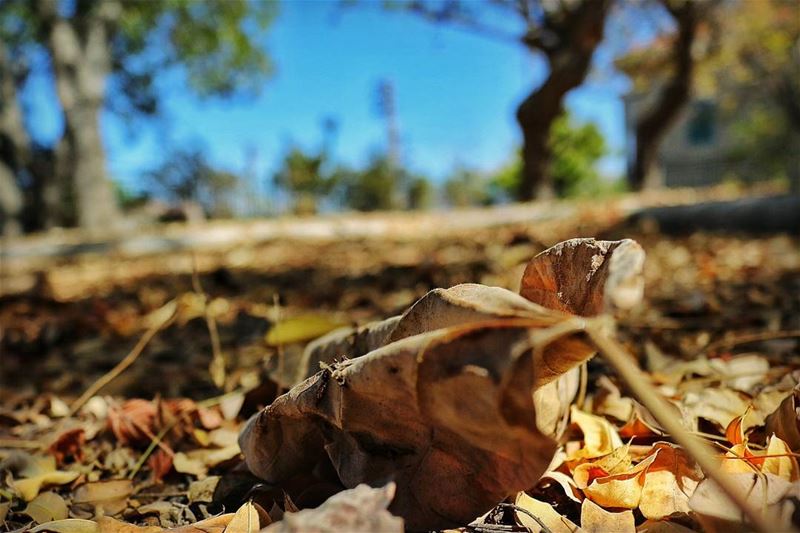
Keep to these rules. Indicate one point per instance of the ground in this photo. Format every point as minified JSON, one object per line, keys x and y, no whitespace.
{"x":169,"y":420}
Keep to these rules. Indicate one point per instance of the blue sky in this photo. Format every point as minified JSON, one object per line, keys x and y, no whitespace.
{"x":456,"y":93}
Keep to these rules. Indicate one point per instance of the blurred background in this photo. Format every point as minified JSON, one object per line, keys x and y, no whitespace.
{"x":220,"y":154}
{"x":118,"y":114}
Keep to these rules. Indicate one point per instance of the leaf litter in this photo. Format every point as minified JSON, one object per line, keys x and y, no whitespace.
{"x":473,"y":398}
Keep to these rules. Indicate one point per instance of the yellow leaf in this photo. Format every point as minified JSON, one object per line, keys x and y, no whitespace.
{"x":616,"y":462}
{"x":30,"y":487}
{"x":544,"y":512}
{"x":779,"y":460}
{"x":595,"y":519}
{"x":245,"y":520}
{"x":599,"y":436}
{"x":663,"y":496}
{"x":301,"y":328}
{"x":68,"y":525}
{"x":46,"y":507}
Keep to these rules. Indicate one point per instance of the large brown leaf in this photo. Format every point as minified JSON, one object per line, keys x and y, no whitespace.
{"x":442,"y":400}
{"x":586,"y":277}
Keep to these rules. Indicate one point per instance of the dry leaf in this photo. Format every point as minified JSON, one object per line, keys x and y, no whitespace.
{"x":301,"y":328}
{"x":599,"y":436}
{"x":708,"y":500}
{"x":669,"y":482}
{"x":107,"y":524}
{"x":46,"y":507}
{"x":595,"y":519}
{"x":106,"y":497}
{"x":358,"y":510}
{"x":67,"y":525}
{"x":544,"y":512}
{"x":780,"y":461}
{"x":202,"y":491}
{"x":36,"y":473}
{"x":245,"y":520}
{"x":586,"y":277}
{"x":447,"y":406}
{"x":784,"y":422}
{"x":609,"y":401}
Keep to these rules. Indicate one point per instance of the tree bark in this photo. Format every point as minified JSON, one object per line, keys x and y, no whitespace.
{"x":569,"y":60}
{"x":14,"y":148}
{"x":655,"y":123}
{"x":80,"y":52}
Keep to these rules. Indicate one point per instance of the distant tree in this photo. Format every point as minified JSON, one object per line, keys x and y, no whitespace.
{"x":187,"y":176}
{"x":420,"y":193}
{"x":756,"y":75}
{"x":564,"y":33}
{"x":467,"y":187}
{"x":108,"y":53}
{"x":306,"y":178}
{"x":669,"y":70}
{"x":576,"y":150}
{"x":372,"y":189}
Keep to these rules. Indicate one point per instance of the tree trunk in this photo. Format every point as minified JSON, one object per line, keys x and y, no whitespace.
{"x":14,"y":148}
{"x":654,"y":124}
{"x":82,"y":63}
{"x":569,"y":63}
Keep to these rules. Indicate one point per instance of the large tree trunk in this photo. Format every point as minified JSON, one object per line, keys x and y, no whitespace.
{"x":14,"y":148}
{"x":655,"y":123}
{"x":569,"y":63}
{"x":80,"y":51}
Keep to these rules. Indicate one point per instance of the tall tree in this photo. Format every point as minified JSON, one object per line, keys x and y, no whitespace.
{"x":566,"y":34}
{"x":675,"y":91}
{"x":14,"y":145}
{"x":106,"y":54}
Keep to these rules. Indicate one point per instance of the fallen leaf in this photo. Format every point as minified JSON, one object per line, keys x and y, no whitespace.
{"x":36,"y":473}
{"x":447,"y":406}
{"x":544,"y":512}
{"x":300,"y":328}
{"x":245,"y":520}
{"x":46,"y":507}
{"x":361,"y":509}
{"x":68,"y":525}
{"x":108,"y":497}
{"x":595,"y":519}
{"x":586,"y":277}
{"x":106,"y":524}
{"x":599,"y":436}
{"x":767,"y":489}
{"x":780,"y":461}
{"x":784,"y":422}
{"x":202,"y":491}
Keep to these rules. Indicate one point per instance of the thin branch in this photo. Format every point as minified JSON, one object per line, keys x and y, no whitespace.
{"x":749,"y":338}
{"x":129,"y":359}
{"x":698,"y":449}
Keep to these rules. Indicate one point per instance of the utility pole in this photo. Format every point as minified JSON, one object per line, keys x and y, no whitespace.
{"x":388,"y":111}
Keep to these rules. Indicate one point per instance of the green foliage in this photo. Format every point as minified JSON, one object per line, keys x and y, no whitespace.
{"x":306,"y":178}
{"x":467,"y":188}
{"x":576,"y":149}
{"x":575,"y":152}
{"x":186,"y":175}
{"x":421,"y":194}
{"x":373,"y":188}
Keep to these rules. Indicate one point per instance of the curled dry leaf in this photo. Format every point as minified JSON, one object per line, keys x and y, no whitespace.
{"x":784,"y":422}
{"x":586,"y":277}
{"x":358,"y":510}
{"x":446,"y":406}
